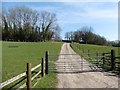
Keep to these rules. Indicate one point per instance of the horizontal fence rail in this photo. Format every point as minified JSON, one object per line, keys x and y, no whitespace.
{"x":27,"y":75}
{"x":17,"y":77}
{"x":35,"y":67}
{"x":12,"y":80}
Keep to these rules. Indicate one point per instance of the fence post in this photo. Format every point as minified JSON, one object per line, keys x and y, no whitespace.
{"x":46,"y":62}
{"x":103,"y":55}
{"x":112,"y":59}
{"x":42,"y":68}
{"x":29,"y":85}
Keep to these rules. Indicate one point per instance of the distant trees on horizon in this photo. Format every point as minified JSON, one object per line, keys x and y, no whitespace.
{"x":85,"y":35}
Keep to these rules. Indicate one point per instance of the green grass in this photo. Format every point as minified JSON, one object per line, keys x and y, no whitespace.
{"x":82,"y":49}
{"x":95,"y":48}
{"x":14,"y":59}
{"x":49,"y":81}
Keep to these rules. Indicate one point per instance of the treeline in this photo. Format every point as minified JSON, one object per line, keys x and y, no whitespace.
{"x":116,"y":43}
{"x":22,"y":23}
{"x":85,"y":35}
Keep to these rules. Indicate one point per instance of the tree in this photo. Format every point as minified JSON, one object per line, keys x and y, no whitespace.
{"x":67,"y":35}
{"x":48,"y":23}
{"x":21,"y":23}
{"x":5,"y":28}
{"x":56,"y":33}
{"x":86,"y":36}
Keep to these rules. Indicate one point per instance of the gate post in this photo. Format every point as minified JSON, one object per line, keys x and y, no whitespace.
{"x":46,"y":62}
{"x":112,"y":59}
{"x":29,"y":84}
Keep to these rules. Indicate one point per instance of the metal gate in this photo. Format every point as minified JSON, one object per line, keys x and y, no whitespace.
{"x":72,"y":63}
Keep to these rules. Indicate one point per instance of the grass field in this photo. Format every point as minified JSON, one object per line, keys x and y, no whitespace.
{"x":15,"y":55}
{"x":84,"y":49}
{"x":95,"y":48}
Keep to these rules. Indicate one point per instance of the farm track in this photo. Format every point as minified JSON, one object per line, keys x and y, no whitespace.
{"x":83,"y":79}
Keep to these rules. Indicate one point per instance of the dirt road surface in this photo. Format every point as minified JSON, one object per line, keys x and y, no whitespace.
{"x":69,"y":78}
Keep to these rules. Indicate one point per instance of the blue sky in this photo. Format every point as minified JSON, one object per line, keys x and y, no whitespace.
{"x":102,"y":16}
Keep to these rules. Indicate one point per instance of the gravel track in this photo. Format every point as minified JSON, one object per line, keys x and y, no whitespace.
{"x":69,"y":65}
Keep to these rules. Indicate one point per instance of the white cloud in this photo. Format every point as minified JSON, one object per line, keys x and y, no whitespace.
{"x":87,"y":15}
{"x":85,"y":12}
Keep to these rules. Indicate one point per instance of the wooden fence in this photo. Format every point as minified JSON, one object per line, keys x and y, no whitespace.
{"x":29,"y":75}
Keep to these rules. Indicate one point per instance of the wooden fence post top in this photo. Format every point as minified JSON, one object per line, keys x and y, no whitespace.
{"x":28,"y":63}
{"x":47,"y":52}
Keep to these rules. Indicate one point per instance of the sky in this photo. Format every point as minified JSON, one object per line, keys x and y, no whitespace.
{"x":101,"y":16}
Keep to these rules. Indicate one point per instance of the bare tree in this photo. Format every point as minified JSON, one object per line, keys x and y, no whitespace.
{"x":48,"y":23}
{"x":24,"y":24}
{"x":57,"y":31}
{"x":67,"y":35}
